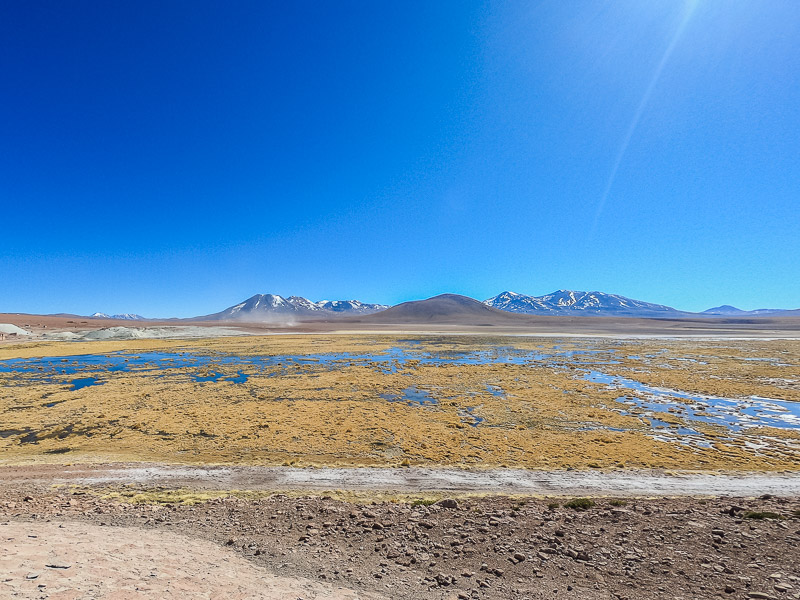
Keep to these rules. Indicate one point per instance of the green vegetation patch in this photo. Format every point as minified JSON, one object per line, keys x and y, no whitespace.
{"x":758,"y":515}
{"x":579,"y":504}
{"x":423,"y":502}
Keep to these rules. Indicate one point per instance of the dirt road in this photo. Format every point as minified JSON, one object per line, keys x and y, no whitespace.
{"x":409,"y":480}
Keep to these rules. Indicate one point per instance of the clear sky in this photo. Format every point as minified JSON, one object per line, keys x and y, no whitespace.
{"x":172,"y":158}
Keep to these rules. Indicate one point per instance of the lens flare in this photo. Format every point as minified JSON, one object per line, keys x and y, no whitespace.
{"x":689,"y":9}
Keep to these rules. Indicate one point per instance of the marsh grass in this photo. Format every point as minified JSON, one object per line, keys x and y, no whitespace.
{"x":318,"y":416}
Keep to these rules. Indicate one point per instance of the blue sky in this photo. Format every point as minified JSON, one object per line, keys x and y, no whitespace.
{"x":172,"y":158}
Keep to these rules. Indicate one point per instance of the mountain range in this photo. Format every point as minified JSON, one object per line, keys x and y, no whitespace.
{"x":272,"y":307}
{"x":571,"y":302}
{"x":558,"y":303}
{"x":122,"y":317}
{"x":265,"y":306}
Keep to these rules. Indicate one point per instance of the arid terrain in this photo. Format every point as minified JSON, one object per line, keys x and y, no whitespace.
{"x":77,"y":542}
{"x":432,"y":320}
{"x":312,"y":464}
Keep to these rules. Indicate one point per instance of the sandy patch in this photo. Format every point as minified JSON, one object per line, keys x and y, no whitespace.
{"x":137,"y":333}
{"x":77,"y":560}
{"x":8,"y":328}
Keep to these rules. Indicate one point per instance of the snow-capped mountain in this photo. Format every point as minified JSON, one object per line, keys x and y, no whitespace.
{"x":263,"y":306}
{"x":124,"y":316}
{"x":571,"y":302}
{"x":350,"y":306}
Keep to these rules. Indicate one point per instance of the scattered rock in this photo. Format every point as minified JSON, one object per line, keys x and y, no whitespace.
{"x":523,"y":551}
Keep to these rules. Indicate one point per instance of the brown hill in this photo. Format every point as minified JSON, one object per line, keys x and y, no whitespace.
{"x":445,"y":308}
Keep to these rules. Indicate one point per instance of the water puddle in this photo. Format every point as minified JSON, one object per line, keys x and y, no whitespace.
{"x":207,"y":367}
{"x":735,"y":415}
{"x":469,"y":417}
{"x":82,"y":382}
{"x":411,"y":396}
{"x":214,"y":376}
{"x":240,"y":377}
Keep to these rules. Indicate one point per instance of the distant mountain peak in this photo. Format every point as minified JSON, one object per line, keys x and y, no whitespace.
{"x":444,"y":308}
{"x":273,"y":306}
{"x":576,"y":302}
{"x":121,"y":317}
{"x":725,"y":309}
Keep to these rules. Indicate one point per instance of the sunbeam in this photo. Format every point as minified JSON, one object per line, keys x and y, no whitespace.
{"x":687,"y":14}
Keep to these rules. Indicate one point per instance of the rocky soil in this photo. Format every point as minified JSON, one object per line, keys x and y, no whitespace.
{"x":491,"y":547}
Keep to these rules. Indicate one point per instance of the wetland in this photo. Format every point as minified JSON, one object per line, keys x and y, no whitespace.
{"x":397,"y":400}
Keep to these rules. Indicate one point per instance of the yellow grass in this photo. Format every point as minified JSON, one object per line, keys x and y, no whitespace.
{"x":549,"y":417}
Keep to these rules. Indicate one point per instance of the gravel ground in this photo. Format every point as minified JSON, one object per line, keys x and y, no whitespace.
{"x":491,"y":547}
